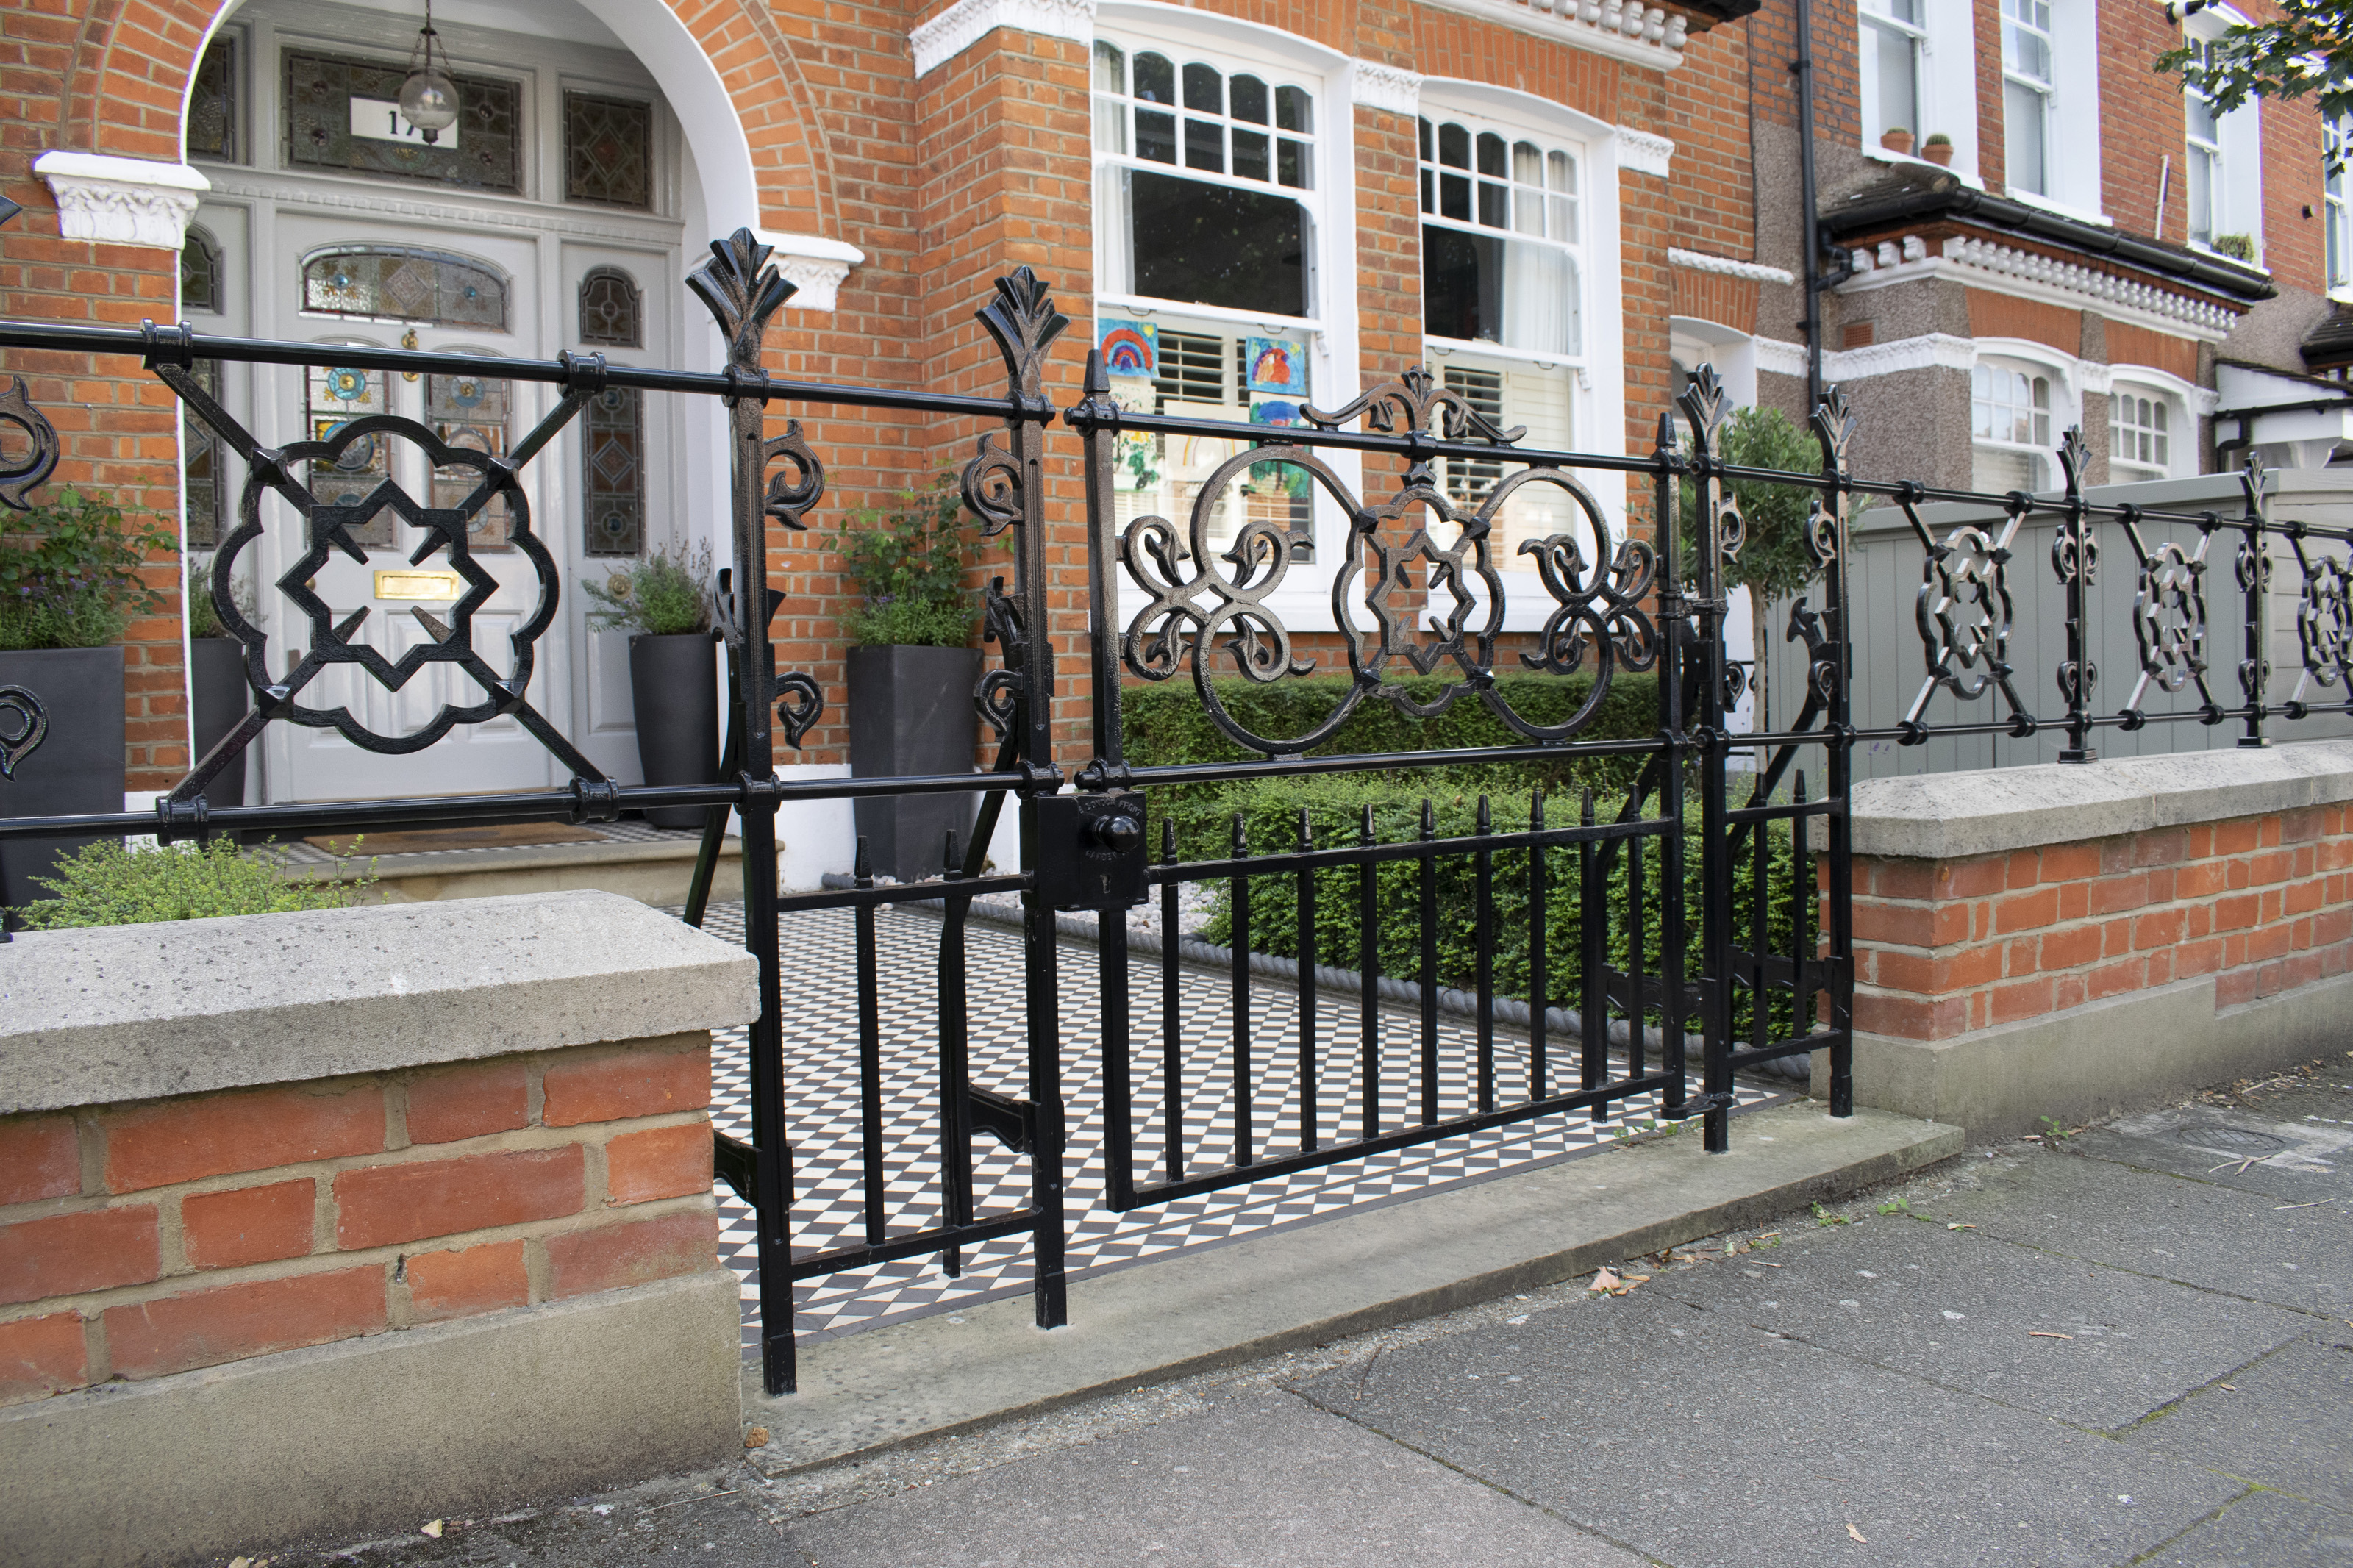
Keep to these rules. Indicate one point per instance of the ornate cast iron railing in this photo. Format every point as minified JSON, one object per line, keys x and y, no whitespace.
{"x":1699,"y":931}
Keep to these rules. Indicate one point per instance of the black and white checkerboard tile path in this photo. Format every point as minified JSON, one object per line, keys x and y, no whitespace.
{"x":821,"y":1051}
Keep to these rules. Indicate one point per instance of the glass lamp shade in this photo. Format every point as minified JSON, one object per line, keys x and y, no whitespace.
{"x":429,"y":101}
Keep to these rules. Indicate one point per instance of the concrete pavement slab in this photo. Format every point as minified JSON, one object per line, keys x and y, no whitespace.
{"x":1701,"y":1442}
{"x":2286,"y":1422}
{"x":2220,"y":1238}
{"x":2263,"y":1529}
{"x":2293,"y":1161}
{"x":1971,"y":1312}
{"x":1268,"y":1482}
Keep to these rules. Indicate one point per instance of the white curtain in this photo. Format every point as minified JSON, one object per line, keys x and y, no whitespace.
{"x":1540,"y":299}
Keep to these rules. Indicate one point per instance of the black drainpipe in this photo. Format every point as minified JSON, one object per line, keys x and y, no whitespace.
{"x":1810,"y":242}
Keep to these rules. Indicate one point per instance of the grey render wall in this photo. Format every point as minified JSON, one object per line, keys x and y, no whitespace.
{"x":1889,"y":665}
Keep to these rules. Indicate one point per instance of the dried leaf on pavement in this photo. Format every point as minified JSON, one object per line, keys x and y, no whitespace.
{"x":1854,"y":1534}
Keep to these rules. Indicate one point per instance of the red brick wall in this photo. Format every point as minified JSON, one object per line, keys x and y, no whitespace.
{"x":142,"y":1240}
{"x":2259,"y":902}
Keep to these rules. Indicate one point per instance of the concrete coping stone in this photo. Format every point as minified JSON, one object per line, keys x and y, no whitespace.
{"x":1956,"y":817}
{"x":119,"y":1013}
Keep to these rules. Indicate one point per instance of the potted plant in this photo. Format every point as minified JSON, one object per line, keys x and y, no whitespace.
{"x":1938,"y":149}
{"x":1897,"y":138}
{"x":661,"y":601}
{"x":218,"y":693}
{"x":912,"y":672}
{"x":70,"y":583}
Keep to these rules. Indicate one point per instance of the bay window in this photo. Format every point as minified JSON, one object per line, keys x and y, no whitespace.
{"x":2010,"y":426}
{"x":2140,"y":434}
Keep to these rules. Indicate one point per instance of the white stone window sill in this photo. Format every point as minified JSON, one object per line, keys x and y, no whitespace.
{"x":2064,"y":209}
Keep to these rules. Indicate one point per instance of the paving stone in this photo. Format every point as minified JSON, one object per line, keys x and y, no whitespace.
{"x":1701,"y":1441}
{"x":1268,"y":1481}
{"x":2220,"y":1238}
{"x":1963,"y":1310}
{"x":2287,"y":1157}
{"x":2264,"y":1530}
{"x":2286,"y":1422}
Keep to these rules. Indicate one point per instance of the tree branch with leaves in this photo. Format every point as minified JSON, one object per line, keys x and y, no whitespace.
{"x":2307,"y":49}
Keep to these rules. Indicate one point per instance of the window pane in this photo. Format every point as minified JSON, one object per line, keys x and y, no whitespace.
{"x":1250,"y":155}
{"x":611,"y":309}
{"x":2201,"y":195}
{"x":1250,"y":100}
{"x":1293,"y":111}
{"x":396,"y":283}
{"x":608,"y":155}
{"x":1156,"y":136}
{"x":483,"y":151}
{"x":1429,"y":204}
{"x":1292,"y":166}
{"x":1896,"y":80}
{"x":1454,"y":146}
{"x":613,"y":472}
{"x":1205,"y":89}
{"x":470,"y":414}
{"x":1462,"y":283}
{"x":1490,"y":154}
{"x":202,"y":469}
{"x":2198,"y":111}
{"x":201,"y":280}
{"x":1156,"y":78}
{"x":1454,"y":197}
{"x":1527,"y":164}
{"x":1111,"y":68}
{"x":1243,"y":250}
{"x":2022,"y":109}
{"x":1426,"y":154}
{"x":212,"y":102}
{"x":1205,"y":146}
{"x":1491,"y":206}
{"x":336,"y":397}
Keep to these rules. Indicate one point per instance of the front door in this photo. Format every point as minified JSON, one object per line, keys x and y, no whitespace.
{"x":385,"y":285}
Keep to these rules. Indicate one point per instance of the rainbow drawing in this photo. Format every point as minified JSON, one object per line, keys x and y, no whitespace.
{"x":1129,"y":348}
{"x":1278,"y":365}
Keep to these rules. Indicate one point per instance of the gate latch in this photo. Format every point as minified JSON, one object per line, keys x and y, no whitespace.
{"x":1086,"y":851}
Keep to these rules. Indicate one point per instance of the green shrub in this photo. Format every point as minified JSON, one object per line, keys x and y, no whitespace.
{"x":659,"y":594}
{"x":70,"y":573}
{"x":203,"y":621}
{"x":104,"y":884}
{"x":910,"y":565}
{"x":1335,"y":807}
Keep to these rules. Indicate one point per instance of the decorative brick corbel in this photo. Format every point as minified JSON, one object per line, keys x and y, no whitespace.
{"x":813,"y":264}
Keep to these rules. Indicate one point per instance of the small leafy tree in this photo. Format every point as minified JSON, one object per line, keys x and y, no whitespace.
{"x":910,"y":565}
{"x":70,"y":573}
{"x":660,"y":595}
{"x":1774,"y":563}
{"x":104,"y":884}
{"x":2307,"y":48}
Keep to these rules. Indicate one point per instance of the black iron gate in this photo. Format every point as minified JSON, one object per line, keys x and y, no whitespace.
{"x":1662,"y":927}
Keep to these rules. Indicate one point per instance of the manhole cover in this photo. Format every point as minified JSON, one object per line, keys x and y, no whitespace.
{"x":2237,"y":1138}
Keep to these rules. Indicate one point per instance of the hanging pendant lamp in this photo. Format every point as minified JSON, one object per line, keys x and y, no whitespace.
{"x":428,"y":98}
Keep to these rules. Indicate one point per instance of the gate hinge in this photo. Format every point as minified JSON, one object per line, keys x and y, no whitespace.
{"x":1701,"y":1104}
{"x":736,"y":1163}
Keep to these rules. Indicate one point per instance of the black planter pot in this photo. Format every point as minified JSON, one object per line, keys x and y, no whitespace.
{"x":911,"y":713}
{"x":78,"y":768}
{"x":220,"y":697}
{"x":674,"y":683}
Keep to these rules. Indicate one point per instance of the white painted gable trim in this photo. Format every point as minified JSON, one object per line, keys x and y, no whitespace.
{"x":966,"y":22}
{"x":122,"y":201}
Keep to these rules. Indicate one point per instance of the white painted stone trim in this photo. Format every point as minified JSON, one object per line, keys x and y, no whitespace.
{"x":1390,"y":87}
{"x":813,"y":265}
{"x":115,"y":1013}
{"x":1988,"y":263}
{"x":1774,"y":357}
{"x":1640,"y":153}
{"x":1930,"y":350}
{"x":1645,"y":35}
{"x":967,"y":22}
{"x":122,"y":201}
{"x":1953,"y":817}
{"x":1753,"y":271}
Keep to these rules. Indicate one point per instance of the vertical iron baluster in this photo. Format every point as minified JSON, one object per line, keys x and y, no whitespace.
{"x":2076,"y":556}
{"x":1704,"y":406}
{"x":956,"y":1066}
{"x":1593,"y":963}
{"x":1119,"y":1108}
{"x":2254,"y":569}
{"x":1680,"y":637}
{"x":1760,"y":845}
{"x":1801,"y":921}
{"x":1834,"y":427}
{"x":1368,"y":964}
{"x":1238,"y":894}
{"x":1306,"y":989}
{"x":1635,"y":978}
{"x":742,"y":292}
{"x":1172,"y":1040}
{"x":1484,"y":930}
{"x":869,"y":1055}
{"x":1539,"y":963}
{"x":1428,"y":968}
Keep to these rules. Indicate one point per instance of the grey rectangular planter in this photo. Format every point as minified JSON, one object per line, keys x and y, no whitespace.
{"x":77,"y":769}
{"x":220,"y":698}
{"x":910,"y":713}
